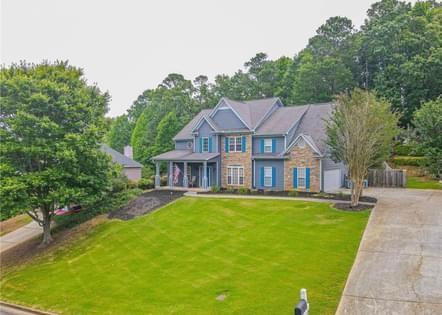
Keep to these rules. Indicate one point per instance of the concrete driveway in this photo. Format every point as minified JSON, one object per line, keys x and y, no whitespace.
{"x":398,"y":269}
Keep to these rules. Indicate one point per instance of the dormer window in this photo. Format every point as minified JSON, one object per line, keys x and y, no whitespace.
{"x":268,"y":148}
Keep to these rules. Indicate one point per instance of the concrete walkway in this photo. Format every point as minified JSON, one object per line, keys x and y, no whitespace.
{"x":20,"y":235}
{"x":398,"y":268}
{"x":228,"y":196}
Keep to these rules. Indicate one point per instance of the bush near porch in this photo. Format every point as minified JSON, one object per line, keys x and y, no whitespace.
{"x":183,"y":258}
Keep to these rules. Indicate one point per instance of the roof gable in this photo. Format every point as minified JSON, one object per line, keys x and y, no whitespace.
{"x":119,"y":158}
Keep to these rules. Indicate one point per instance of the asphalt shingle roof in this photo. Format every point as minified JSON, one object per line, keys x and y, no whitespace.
{"x":119,"y":158}
{"x":281,"y":120}
{"x":185,"y":155}
{"x":252,"y":111}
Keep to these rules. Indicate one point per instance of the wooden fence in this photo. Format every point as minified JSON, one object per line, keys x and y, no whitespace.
{"x":387,"y":178}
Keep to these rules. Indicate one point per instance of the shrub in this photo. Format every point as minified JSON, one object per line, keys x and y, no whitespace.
{"x":230,"y":190}
{"x":408,"y":149}
{"x":146,"y":183}
{"x":243,"y":191}
{"x":119,"y":183}
{"x":293,"y":193}
{"x":163,"y":181}
{"x":408,"y":160}
{"x":215,"y":189}
{"x":131,"y":184}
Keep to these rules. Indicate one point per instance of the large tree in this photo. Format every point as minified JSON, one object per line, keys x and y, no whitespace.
{"x":119,"y":133}
{"x":51,"y":126}
{"x":428,"y":122}
{"x":360,"y":134}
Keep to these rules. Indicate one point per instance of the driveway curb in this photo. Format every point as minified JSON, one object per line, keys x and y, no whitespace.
{"x":12,"y":309}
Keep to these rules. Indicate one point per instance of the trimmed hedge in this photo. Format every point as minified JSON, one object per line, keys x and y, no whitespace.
{"x":408,"y":149}
{"x":408,"y":160}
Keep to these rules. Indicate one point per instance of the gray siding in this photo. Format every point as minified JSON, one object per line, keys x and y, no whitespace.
{"x":279,"y":143}
{"x":279,"y":174}
{"x":206,"y":131}
{"x":227,"y":119}
{"x":182,"y":144}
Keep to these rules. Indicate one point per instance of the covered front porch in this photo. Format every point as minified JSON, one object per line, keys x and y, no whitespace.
{"x":188,"y":170}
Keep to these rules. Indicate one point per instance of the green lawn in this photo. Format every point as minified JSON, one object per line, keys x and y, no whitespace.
{"x":422,"y":183}
{"x":179,"y":259}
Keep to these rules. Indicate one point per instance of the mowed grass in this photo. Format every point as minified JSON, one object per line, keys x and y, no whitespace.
{"x":422,"y":183}
{"x":179,"y":259}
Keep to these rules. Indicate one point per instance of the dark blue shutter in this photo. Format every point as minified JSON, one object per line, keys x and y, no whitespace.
{"x":295,"y":177}
{"x":273,"y":176}
{"x":261,"y":175}
{"x":261,"y":145}
{"x":307,"y":178}
{"x":273,"y":145}
{"x":210,"y":144}
{"x":201,"y":145}
{"x":243,"y":143}
{"x":226,"y":144}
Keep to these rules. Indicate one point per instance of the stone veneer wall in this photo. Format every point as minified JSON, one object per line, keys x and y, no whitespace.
{"x":302,"y":157}
{"x":237,"y":158}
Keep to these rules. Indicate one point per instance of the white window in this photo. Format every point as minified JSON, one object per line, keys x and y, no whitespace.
{"x":301,"y":177}
{"x":267,"y":145}
{"x":205,"y":144}
{"x":267,"y":176}
{"x":235,"y":175}
{"x":235,"y":144}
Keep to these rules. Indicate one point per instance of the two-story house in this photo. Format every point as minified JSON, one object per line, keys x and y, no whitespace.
{"x":257,"y":144}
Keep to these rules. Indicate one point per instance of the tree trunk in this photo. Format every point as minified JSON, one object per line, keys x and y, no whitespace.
{"x":47,"y":238}
{"x":356,"y":192}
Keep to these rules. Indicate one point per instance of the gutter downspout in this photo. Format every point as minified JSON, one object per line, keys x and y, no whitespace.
{"x":320,"y":176}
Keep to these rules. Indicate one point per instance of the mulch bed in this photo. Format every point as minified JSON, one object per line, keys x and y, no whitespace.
{"x":329,"y":196}
{"x":348,"y":207}
{"x":146,"y":203}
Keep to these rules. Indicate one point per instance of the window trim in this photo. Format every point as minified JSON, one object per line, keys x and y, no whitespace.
{"x":302,"y":177}
{"x":268,"y":146}
{"x":202,"y":144}
{"x":239,"y":175}
{"x":237,"y":140}
{"x":266,"y":176}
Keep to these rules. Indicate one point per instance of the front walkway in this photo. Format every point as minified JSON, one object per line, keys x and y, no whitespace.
{"x":20,"y":235}
{"x":398,"y":268}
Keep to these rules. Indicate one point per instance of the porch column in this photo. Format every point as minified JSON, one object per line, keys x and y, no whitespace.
{"x":170,"y":173}
{"x":185,"y":179}
{"x":157,"y":175}
{"x":205,"y":175}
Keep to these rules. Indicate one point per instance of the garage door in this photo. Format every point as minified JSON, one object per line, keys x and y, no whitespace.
{"x":332,"y":180}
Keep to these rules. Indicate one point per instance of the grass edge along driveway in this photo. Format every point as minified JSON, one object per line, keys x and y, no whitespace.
{"x":257,"y":254}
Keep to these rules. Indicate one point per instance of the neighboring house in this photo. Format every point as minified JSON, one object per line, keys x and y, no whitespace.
{"x":131,"y":168}
{"x":258,"y":144}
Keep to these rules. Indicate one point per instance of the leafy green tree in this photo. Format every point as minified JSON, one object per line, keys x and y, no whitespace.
{"x":360,"y":134}
{"x":120,"y":133}
{"x":51,"y":126}
{"x":401,"y":52}
{"x":320,"y":80}
{"x":428,"y":122}
{"x":167,"y":129}
{"x":174,"y":94}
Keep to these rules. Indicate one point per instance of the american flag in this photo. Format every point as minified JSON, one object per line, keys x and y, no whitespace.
{"x":176,"y":174}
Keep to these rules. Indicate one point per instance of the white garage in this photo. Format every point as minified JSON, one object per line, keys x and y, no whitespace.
{"x":332,"y":180}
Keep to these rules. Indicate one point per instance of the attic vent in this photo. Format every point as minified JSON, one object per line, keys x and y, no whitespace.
{"x":301,"y":143}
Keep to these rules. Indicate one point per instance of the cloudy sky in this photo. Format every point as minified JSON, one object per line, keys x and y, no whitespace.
{"x":128,"y":46}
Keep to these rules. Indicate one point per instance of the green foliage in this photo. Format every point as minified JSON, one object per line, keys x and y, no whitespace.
{"x":244,"y":191}
{"x":408,"y":149}
{"x":51,"y":126}
{"x":166,"y":130}
{"x":230,"y":190}
{"x":146,"y":183}
{"x":428,"y":122}
{"x":119,"y":133}
{"x":293,"y":193}
{"x":360,"y":134}
{"x":215,"y":189}
{"x":408,"y":160}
